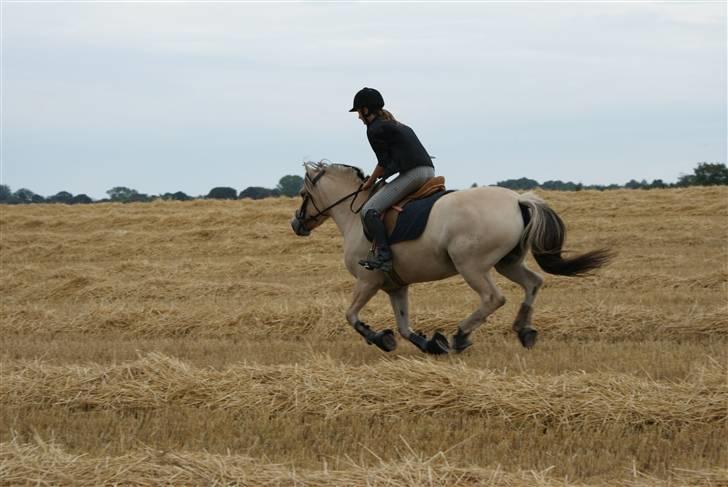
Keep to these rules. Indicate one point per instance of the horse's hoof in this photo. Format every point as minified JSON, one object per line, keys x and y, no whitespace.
{"x":461,"y":341}
{"x":418,"y":340}
{"x":438,"y":344}
{"x":385,"y":340}
{"x":528,"y":337}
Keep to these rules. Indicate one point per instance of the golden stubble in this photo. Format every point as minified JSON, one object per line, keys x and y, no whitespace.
{"x":202,"y":342}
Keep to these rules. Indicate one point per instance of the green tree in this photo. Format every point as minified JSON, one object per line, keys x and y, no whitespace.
{"x":257,"y":193}
{"x":710,"y":174}
{"x":81,"y":199}
{"x":222,"y":193}
{"x":61,"y":197}
{"x":5,"y":192}
{"x":520,"y":184}
{"x":121,"y":194}
{"x":290,"y":185}
{"x":179,"y":196}
{"x":24,"y":195}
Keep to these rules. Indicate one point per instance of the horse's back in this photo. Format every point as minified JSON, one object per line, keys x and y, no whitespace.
{"x":487,"y":218}
{"x":477,"y":224}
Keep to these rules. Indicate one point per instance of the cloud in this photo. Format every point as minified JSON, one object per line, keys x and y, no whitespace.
{"x":241,"y":78}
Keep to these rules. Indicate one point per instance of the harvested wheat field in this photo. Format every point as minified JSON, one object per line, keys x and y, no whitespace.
{"x":204,"y":343}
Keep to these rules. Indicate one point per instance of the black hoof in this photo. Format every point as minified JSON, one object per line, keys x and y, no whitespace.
{"x":528,"y":337}
{"x":461,"y":341}
{"x":438,"y":344}
{"x":418,"y":340}
{"x":385,"y":340}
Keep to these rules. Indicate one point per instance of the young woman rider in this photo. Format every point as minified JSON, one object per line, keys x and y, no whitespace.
{"x":398,"y":150}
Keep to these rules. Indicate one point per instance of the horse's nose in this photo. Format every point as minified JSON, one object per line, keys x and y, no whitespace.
{"x":298,"y":228}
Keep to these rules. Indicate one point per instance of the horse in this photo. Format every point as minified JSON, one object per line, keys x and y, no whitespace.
{"x":468,"y":233}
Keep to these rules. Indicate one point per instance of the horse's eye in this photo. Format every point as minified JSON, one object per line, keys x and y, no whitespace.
{"x":302,"y":193}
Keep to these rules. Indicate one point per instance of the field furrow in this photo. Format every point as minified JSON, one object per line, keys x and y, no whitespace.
{"x":389,"y":387}
{"x":49,"y":464}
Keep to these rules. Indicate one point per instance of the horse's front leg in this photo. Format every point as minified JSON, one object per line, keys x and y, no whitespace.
{"x":400,"y":305}
{"x":363,"y":292}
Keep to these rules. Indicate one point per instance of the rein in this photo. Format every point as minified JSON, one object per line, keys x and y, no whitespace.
{"x":300,"y":214}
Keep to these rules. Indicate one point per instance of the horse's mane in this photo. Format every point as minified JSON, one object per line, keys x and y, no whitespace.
{"x":345,"y":169}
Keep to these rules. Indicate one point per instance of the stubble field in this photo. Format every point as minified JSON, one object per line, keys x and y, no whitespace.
{"x":204,"y":343}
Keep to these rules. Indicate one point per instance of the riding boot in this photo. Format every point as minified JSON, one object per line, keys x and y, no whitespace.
{"x":382,"y":259}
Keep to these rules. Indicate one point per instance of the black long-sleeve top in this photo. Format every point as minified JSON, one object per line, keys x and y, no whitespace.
{"x":397,"y":147}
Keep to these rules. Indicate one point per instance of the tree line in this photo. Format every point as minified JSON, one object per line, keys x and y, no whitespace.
{"x":288,"y":185}
{"x":704,"y":174}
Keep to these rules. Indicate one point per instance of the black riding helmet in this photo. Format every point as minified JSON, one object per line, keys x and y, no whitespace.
{"x":369,"y":98}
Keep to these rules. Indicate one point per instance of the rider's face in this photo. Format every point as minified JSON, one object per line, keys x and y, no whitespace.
{"x":363,"y":112}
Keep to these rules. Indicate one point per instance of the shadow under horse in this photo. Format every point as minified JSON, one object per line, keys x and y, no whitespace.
{"x":468,"y":232}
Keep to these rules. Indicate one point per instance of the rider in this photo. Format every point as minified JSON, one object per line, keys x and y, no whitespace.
{"x":398,"y":150}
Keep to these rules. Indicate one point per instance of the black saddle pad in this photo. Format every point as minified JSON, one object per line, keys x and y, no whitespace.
{"x":413,"y":219}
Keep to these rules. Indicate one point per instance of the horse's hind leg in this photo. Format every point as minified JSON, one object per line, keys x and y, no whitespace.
{"x":515,"y":270}
{"x":479,"y":279}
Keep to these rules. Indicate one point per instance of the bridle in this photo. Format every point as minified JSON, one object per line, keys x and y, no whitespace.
{"x":301,"y":212}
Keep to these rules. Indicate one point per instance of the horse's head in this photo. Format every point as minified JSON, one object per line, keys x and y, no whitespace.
{"x":322,"y":185}
{"x":309,"y":215}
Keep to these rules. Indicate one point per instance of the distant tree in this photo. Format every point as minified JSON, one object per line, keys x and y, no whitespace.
{"x":558,"y":185}
{"x":139,"y":198}
{"x":474,"y":185}
{"x":710,"y":174}
{"x":37,"y":199}
{"x":61,"y":197}
{"x":657,"y":184}
{"x":522,"y":183}
{"x":24,"y":195}
{"x":121,"y":194}
{"x":290,"y":185}
{"x":5,"y":192}
{"x":632,"y":184}
{"x":685,"y":180}
{"x":81,"y":199}
{"x":180,"y":196}
{"x":257,"y":193}
{"x":222,"y":193}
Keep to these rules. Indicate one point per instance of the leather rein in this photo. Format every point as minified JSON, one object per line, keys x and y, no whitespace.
{"x":301,"y":213}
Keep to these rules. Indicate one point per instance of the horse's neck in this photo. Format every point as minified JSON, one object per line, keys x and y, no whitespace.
{"x":349,"y":222}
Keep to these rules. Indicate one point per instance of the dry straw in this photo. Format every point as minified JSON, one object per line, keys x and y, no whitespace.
{"x":399,"y":387}
{"x":42,"y":463}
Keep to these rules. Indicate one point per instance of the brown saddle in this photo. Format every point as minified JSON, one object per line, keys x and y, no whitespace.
{"x":431,"y":186}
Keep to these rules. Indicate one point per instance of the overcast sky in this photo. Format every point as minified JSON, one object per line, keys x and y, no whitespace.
{"x":187,"y":96}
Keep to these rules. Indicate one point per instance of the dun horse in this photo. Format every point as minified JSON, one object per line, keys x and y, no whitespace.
{"x":468,"y":233}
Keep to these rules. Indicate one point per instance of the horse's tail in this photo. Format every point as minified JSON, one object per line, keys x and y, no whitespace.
{"x":545,"y":233}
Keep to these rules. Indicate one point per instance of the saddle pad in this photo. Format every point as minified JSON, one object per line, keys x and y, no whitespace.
{"x":411,"y":222}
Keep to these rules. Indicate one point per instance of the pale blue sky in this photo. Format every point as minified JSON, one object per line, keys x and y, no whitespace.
{"x":187,"y":96}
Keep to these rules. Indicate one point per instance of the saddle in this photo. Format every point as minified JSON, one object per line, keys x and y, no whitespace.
{"x":414,"y":209}
{"x":431,"y":186}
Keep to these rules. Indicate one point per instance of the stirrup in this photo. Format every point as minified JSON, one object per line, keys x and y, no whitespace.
{"x":377,"y":263}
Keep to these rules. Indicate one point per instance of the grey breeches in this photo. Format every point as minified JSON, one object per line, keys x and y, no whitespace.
{"x":398,"y":188}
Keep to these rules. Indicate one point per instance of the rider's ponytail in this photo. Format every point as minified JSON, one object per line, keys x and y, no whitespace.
{"x":386,"y":115}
